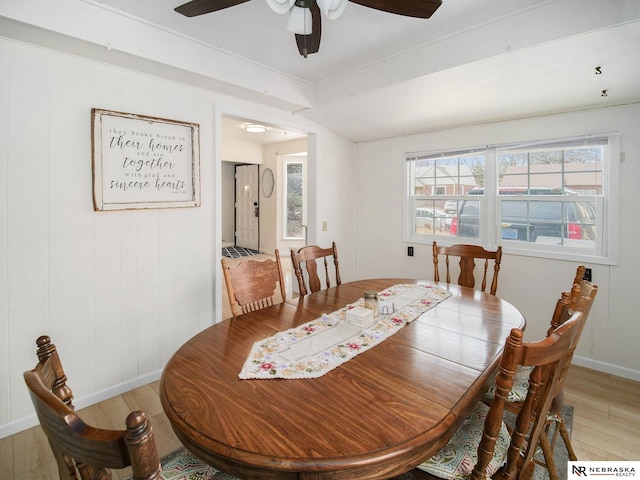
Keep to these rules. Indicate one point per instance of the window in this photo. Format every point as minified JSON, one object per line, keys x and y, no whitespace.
{"x":551,"y":199}
{"x":438,"y":185}
{"x":293,"y":198}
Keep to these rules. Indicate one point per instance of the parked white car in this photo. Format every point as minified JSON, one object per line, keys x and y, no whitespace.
{"x":451,"y":207}
{"x":426,"y":218}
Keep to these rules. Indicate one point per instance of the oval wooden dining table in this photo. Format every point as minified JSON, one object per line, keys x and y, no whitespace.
{"x":374,"y":417}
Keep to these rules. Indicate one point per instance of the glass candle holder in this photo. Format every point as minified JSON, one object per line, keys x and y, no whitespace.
{"x":371,"y":301}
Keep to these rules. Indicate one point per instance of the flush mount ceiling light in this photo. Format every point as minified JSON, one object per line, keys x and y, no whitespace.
{"x":305,"y":15}
{"x":255,"y":128}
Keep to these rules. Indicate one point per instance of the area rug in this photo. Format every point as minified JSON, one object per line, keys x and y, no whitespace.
{"x":560,"y":454}
{"x":183,"y":465}
{"x":236,"y":252}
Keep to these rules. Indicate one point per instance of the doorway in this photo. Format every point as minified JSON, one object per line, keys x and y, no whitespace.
{"x":261,"y":152}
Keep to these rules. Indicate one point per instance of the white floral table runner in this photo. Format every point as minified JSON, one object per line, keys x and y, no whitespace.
{"x":312,"y":349}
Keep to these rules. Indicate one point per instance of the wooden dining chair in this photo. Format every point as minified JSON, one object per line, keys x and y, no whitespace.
{"x":305,"y":264}
{"x":580,"y":298}
{"x":468,"y":254}
{"x":251,"y":284}
{"x":483,"y":446}
{"x":83,"y":451}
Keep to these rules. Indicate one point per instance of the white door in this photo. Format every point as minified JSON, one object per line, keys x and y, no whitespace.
{"x":247,"y":208}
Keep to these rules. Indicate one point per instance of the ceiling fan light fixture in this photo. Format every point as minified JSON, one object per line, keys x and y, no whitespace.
{"x":332,"y":9}
{"x":281,"y":6}
{"x":255,"y":128}
{"x":299,"y":21}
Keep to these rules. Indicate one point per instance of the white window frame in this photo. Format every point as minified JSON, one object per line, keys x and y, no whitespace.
{"x":606,"y":247}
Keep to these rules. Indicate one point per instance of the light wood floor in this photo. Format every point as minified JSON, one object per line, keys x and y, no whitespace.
{"x":606,"y":422}
{"x":27,"y":456}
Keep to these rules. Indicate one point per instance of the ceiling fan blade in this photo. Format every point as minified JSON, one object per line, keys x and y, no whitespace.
{"x":308,"y":44}
{"x":200,"y":7}
{"x":408,"y":8}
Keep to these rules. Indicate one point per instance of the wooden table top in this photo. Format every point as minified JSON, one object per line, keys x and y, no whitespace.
{"x":376,"y":416}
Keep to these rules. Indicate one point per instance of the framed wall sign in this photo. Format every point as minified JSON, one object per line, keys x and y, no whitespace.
{"x":144,"y":162}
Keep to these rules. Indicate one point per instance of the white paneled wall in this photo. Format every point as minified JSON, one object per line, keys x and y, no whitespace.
{"x":117,"y":291}
{"x":5,"y":51}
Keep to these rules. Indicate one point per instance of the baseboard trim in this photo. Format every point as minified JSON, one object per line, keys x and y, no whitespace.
{"x":29,"y":421}
{"x":605,"y":367}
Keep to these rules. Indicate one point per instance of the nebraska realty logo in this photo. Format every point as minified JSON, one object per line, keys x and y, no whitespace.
{"x":580,"y":470}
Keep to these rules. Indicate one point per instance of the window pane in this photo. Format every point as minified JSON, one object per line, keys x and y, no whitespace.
{"x":577,"y":169}
{"x":571,"y":171}
{"x":467,"y":223}
{"x":435,"y":181}
{"x":294,"y":200}
{"x":552,"y":223}
{"x":448,"y":175}
{"x":430,"y":219}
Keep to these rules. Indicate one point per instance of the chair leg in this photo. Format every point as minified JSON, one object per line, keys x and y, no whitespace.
{"x":554,"y":437}
{"x":419,"y":474}
{"x":548,"y":457}
{"x":527,"y":471}
{"x":567,"y":441}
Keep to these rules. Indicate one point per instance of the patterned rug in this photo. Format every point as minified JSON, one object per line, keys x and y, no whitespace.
{"x":236,"y":252}
{"x":560,"y":454}
{"x":182,"y":465}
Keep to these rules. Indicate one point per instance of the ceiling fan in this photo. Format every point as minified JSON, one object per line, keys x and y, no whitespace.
{"x":304,"y":15}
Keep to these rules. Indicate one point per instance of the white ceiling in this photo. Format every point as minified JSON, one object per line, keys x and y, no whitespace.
{"x":252,"y":30}
{"x":380,"y":75}
{"x":233,"y":129}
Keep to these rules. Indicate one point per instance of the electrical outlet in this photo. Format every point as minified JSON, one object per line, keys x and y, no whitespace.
{"x":410,"y":251}
{"x":587,"y":275}
{"x":324,"y":226}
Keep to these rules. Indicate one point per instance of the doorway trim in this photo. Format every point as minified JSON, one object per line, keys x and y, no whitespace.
{"x":220,"y":112}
